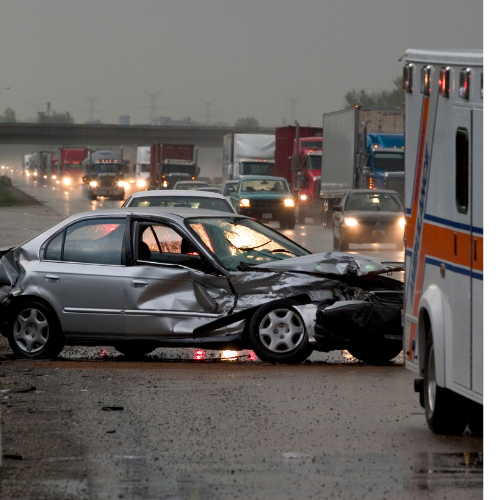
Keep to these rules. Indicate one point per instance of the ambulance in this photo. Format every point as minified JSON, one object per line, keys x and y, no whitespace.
{"x":443,"y":305}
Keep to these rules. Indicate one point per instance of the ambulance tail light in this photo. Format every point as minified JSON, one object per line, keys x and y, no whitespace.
{"x":465,"y":79}
{"x":425,"y":80}
{"x":408,"y":78}
{"x":444,"y":82}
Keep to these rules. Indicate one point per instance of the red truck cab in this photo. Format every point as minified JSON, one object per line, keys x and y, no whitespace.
{"x":298,"y":157}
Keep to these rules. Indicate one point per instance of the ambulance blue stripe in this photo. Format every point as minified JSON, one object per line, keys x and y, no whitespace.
{"x":454,"y":269}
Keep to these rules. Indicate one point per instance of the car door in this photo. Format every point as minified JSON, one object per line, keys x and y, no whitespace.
{"x":172,"y":287}
{"x":82,"y":276}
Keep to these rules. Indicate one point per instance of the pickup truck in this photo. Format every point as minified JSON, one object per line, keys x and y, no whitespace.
{"x":265,"y":198}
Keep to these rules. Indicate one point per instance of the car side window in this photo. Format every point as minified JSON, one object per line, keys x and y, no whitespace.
{"x":96,"y":241}
{"x":164,"y":245}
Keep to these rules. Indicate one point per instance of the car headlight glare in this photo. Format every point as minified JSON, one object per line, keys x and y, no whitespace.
{"x":349,"y":221}
{"x":141,"y":183}
{"x":289,"y":202}
{"x":121,"y":183}
{"x":244,"y":202}
{"x":93,"y":184}
{"x":303,"y":197}
{"x":402,"y":222}
{"x":67,"y":181}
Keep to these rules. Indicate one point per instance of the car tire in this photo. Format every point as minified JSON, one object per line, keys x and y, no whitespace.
{"x":34,"y":331}
{"x":445,"y":411}
{"x":377,"y":353}
{"x":135,"y":348}
{"x":291,"y":223}
{"x":301,"y":217}
{"x":283,"y":224}
{"x":278,"y":334}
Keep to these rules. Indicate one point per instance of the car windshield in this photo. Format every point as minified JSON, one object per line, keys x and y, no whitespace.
{"x":256,"y":168}
{"x":181,"y":202}
{"x":236,"y":241}
{"x":373,"y":202}
{"x":190,"y":186}
{"x":264,"y":186}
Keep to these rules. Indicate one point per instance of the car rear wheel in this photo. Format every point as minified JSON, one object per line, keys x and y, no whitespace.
{"x":278,"y":335}
{"x":134,"y":348}
{"x":34,"y":331}
{"x":445,"y":411}
{"x":377,"y":354}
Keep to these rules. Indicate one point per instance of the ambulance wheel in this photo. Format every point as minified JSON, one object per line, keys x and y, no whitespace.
{"x":278,"y":334}
{"x":476,"y":419}
{"x":445,"y":411}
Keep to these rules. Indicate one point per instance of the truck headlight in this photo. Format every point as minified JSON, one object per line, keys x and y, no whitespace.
{"x":303,"y":197}
{"x":350,"y":221}
{"x":141,"y":183}
{"x":121,"y":183}
{"x":93,"y":184}
{"x":289,"y":202}
{"x":402,"y":222}
{"x":67,"y":181}
{"x":244,"y":202}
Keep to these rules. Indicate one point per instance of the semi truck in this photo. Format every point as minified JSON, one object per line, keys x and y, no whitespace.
{"x":247,"y":154}
{"x":103,"y":174}
{"x":142,"y":166}
{"x":298,"y":158}
{"x":71,"y":165}
{"x":171,"y":163}
{"x":363,"y":147}
{"x":443,"y":303}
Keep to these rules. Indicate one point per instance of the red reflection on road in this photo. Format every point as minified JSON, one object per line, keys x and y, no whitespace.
{"x":252,"y":356}
{"x":199,"y":354}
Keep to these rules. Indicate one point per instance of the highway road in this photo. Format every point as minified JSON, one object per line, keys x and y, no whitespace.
{"x":93,"y":425}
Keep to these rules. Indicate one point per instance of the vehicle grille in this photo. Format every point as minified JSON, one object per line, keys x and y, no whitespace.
{"x":107,"y":180}
{"x":266,"y":204}
{"x":396,"y":184}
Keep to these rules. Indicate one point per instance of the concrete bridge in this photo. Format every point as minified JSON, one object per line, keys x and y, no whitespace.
{"x":118,"y":135}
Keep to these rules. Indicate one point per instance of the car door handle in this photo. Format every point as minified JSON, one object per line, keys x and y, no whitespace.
{"x":139,"y":284}
{"x":51,"y":278}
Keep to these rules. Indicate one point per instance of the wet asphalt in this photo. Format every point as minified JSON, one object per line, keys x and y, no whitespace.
{"x":187,"y":423}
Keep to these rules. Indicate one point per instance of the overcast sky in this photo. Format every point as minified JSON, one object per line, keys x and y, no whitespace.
{"x":234,"y":58}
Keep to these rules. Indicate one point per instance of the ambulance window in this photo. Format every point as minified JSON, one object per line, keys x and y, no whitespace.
{"x":462,"y":170}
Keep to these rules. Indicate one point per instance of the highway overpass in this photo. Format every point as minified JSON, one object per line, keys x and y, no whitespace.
{"x":118,"y":135}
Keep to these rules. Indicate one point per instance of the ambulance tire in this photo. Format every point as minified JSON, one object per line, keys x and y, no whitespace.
{"x":476,"y":419}
{"x":446,"y":412}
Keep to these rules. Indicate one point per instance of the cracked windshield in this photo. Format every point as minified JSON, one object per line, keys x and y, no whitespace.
{"x":244,"y":241}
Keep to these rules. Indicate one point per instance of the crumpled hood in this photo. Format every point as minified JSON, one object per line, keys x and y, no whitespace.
{"x":332,"y":263}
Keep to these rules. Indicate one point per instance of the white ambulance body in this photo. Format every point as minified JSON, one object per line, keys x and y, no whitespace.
{"x":443,"y":312}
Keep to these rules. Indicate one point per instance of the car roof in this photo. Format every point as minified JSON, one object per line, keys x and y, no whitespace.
{"x":164,"y":193}
{"x":260,"y":177}
{"x":162,"y":212}
{"x":371,"y":191}
{"x":191,"y":182}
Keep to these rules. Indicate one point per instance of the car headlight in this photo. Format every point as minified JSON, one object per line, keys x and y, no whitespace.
{"x":54,"y":177}
{"x":289,"y":202}
{"x":67,"y":181}
{"x":349,"y":221}
{"x":402,"y":222}
{"x":244,"y":202}
{"x":93,"y":184}
{"x":303,"y":197}
{"x":35,"y":173}
{"x":121,"y":183}
{"x":141,"y":183}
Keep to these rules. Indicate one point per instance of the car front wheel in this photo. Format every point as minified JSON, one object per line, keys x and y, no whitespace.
{"x":34,"y":331}
{"x":278,"y":335}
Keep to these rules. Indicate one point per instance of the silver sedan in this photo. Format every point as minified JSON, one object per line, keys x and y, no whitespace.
{"x":142,"y":278}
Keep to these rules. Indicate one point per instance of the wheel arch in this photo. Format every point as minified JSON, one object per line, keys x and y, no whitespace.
{"x":18,"y":300}
{"x":431,"y":319}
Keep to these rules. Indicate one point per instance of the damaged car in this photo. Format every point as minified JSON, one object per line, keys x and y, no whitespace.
{"x":141,"y":278}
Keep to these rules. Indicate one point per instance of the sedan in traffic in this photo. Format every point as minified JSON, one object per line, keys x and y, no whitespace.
{"x":179,"y":199}
{"x":150,"y":277}
{"x":368,"y":216}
